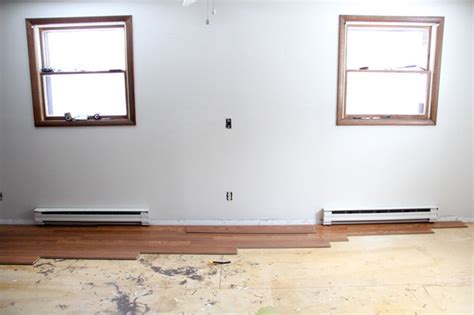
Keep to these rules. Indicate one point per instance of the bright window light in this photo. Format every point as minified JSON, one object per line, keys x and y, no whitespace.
{"x":387,"y":48}
{"x":386,"y":93}
{"x":86,"y":94}
{"x":91,"y":49}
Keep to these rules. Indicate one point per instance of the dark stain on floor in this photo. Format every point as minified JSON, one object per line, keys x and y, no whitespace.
{"x":45,"y":268}
{"x":126,"y":306}
{"x":146,"y":261}
{"x":140,"y":280}
{"x":188,"y":271}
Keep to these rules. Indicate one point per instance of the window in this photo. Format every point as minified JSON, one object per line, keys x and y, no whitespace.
{"x":81,"y":71}
{"x":388,"y":70}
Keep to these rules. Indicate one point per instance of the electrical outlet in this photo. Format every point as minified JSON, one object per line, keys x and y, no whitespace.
{"x":228,"y":196}
{"x":228,"y":123}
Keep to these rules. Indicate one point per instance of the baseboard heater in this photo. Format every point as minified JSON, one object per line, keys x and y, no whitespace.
{"x":71,"y":216}
{"x":379,"y":215}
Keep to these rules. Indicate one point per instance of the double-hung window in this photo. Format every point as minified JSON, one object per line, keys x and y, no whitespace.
{"x":81,"y":70}
{"x":389,"y":70}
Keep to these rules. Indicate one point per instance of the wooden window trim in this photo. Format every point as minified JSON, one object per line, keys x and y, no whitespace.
{"x":39,"y":111}
{"x":430,"y":118}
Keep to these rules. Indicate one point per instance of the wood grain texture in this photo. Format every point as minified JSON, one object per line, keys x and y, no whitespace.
{"x":18,"y":260}
{"x":23,"y":244}
{"x":256,"y":229}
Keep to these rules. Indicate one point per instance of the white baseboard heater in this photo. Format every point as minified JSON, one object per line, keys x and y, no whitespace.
{"x":379,"y":215}
{"x":76,"y":216}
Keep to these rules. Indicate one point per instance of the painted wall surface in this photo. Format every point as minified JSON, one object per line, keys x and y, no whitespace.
{"x":472,"y":102}
{"x":2,"y":93}
{"x":269,"y":65}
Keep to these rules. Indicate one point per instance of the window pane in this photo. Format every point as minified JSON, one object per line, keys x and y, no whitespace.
{"x":85,"y":94}
{"x":386,"y":48}
{"x":85,"y":49}
{"x":374,"y":93}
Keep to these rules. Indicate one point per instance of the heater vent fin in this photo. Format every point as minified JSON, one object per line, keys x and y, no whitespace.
{"x":61,"y":216}
{"x":379,"y":215}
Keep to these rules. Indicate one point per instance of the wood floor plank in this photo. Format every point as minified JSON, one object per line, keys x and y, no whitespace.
{"x":194,"y":250}
{"x":252,"y":229}
{"x":93,"y":255}
{"x":448,"y":225}
{"x":388,"y":232}
{"x":281,"y":244}
{"x":18,"y":260}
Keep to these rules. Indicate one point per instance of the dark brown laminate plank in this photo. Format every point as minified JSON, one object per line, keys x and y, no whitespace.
{"x":18,"y":260}
{"x":283,"y":244}
{"x":194,"y":250}
{"x":78,"y":254}
{"x":253,"y":229}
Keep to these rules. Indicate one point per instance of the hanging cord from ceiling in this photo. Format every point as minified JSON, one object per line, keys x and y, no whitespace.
{"x":210,"y":11}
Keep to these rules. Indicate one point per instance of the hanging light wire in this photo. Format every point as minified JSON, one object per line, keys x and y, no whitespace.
{"x":208,"y":21}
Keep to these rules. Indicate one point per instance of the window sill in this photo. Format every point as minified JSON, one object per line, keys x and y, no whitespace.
{"x":85,"y":123}
{"x":385,"y":122}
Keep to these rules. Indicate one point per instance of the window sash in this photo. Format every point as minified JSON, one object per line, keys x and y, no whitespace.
{"x":381,"y":27}
{"x":43,"y":31}
{"x":47,"y":98}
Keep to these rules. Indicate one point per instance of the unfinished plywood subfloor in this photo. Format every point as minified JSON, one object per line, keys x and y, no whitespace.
{"x":27,"y":244}
{"x":385,"y":274}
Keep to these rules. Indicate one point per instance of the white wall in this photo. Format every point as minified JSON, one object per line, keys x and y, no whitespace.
{"x":2,"y":132}
{"x":271,"y":66}
{"x":472,"y":102}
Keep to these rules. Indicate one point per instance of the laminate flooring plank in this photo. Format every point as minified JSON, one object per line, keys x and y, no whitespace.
{"x":79,"y":254}
{"x":18,"y":260}
{"x":253,"y":229}
{"x":393,"y":232}
{"x":274,"y":243}
{"x":263,"y":245}
{"x":194,"y":250}
{"x":124,"y":243}
{"x":448,"y":225}
{"x":295,"y":237}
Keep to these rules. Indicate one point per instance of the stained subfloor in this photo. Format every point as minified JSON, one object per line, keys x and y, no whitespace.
{"x":390,"y":274}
